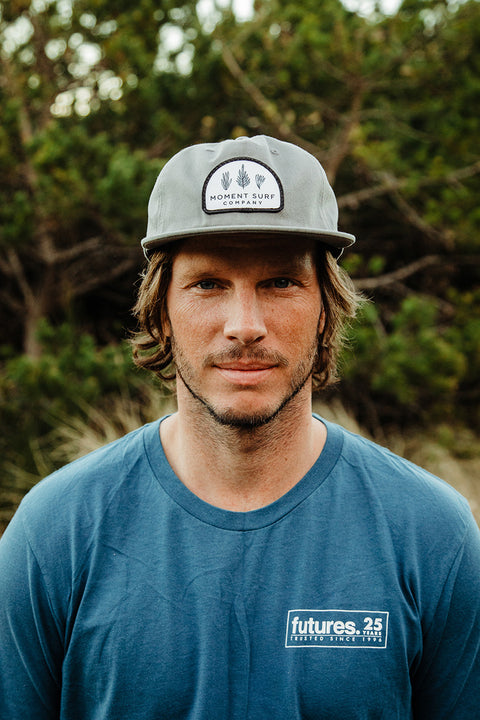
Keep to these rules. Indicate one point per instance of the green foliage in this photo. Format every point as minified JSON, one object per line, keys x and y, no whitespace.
{"x":95,"y":96}
{"x":413,"y":369}
{"x":37,"y":396}
{"x":82,"y":176}
{"x":71,"y":373}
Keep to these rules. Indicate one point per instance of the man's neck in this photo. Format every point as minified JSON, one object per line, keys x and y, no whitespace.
{"x":242,"y":469}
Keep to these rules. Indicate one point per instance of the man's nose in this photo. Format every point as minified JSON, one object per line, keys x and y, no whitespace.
{"x":245,"y":320}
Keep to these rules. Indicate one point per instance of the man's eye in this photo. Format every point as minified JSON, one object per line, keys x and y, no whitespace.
{"x":282,"y":283}
{"x":207,"y":284}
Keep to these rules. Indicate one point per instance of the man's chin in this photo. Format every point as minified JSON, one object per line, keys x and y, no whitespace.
{"x":249,"y":418}
{"x":242,"y":420}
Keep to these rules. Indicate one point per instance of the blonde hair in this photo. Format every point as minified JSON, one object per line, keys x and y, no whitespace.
{"x":152,"y":347}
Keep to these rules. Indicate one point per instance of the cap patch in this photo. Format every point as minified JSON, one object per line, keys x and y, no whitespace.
{"x":242,"y":185}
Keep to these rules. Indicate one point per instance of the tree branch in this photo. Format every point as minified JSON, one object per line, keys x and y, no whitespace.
{"x":6,"y":268}
{"x":82,"y":248}
{"x":417,"y":221}
{"x":389,"y":183}
{"x":19,"y":275}
{"x":397,"y":275}
{"x":14,"y":305}
{"x":403,"y":273}
{"x":106,"y":277}
{"x":266,"y":107}
{"x":338,"y":152}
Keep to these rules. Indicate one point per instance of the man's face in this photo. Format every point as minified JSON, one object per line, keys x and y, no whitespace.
{"x":244,"y":321}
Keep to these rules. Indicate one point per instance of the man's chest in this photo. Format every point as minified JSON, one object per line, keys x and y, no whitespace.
{"x":242,"y":630}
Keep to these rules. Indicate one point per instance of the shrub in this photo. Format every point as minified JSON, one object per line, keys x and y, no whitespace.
{"x":69,"y":384}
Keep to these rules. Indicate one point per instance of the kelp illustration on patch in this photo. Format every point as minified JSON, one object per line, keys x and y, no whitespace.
{"x":226,"y":180}
{"x":243,"y":179}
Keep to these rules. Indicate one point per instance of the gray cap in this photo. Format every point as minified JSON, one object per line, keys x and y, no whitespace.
{"x":248,"y":185}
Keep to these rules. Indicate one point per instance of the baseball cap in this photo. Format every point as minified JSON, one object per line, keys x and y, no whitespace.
{"x":244,"y":186}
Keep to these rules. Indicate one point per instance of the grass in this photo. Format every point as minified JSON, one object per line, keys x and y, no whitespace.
{"x":454,"y":456}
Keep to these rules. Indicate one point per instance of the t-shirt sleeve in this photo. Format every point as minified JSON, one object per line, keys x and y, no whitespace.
{"x":31,"y":644}
{"x":447,"y":680}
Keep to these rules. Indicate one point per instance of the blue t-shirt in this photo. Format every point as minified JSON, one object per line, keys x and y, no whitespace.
{"x":356,"y":595}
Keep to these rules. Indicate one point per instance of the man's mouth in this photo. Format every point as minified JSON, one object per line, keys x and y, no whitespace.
{"x":246,"y":366}
{"x":246,"y":360}
{"x":244,"y":373}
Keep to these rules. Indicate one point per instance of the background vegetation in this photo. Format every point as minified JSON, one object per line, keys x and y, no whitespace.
{"x":95,"y":96}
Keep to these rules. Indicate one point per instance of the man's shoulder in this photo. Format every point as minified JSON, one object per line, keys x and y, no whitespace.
{"x":85,"y":487}
{"x":400,"y":486}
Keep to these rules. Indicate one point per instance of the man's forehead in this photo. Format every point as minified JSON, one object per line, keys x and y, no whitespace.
{"x":268,"y":246}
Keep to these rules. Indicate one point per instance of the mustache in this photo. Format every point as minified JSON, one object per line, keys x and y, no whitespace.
{"x":238,"y":352}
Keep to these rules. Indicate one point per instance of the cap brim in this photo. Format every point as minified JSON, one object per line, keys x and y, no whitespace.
{"x":336,"y":241}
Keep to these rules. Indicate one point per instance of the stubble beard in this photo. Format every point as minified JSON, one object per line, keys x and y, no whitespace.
{"x":229,"y":417}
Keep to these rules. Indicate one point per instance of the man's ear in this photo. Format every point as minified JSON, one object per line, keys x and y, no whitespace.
{"x":166,"y":326}
{"x":321,"y":322}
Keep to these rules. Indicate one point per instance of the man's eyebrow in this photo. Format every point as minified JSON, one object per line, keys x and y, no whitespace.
{"x":291,"y":267}
{"x":193,"y":275}
{"x":273,"y":270}
{"x":272,"y":267}
{"x":295,"y":266}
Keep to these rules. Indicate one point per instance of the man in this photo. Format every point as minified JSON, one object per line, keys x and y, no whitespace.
{"x":241,"y":558}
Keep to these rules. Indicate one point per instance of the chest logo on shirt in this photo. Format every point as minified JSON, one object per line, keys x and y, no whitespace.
{"x":337,"y":628}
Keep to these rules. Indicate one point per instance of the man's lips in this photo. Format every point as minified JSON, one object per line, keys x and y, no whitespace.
{"x":244,"y":373}
{"x":242,"y":360}
{"x":245,"y":366}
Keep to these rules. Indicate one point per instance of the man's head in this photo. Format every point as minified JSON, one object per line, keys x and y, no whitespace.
{"x":259,"y":195}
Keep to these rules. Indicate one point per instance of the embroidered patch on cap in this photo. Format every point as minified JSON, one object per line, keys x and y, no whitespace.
{"x":242,"y":185}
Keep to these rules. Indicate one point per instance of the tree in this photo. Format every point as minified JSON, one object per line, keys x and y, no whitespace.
{"x":77,"y":158}
{"x":94,"y":98}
